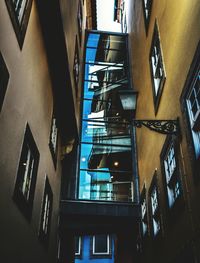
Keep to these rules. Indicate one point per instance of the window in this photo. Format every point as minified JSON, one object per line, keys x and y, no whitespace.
{"x":101,"y":246}
{"x":78,"y":247}
{"x":105,"y":170}
{"x":154,"y":208}
{"x":80,"y":20}
{"x":144,"y":218}
{"x":157,"y":68}
{"x":4,"y":77}
{"x":19,"y":11}
{"x":123,"y":19}
{"x":26,"y":174}
{"x":193,"y":107}
{"x":170,"y":166}
{"x":46,"y":212}
{"x":53,"y":139}
{"x":76,"y":66}
{"x":190,"y":100}
{"x":147,"y":4}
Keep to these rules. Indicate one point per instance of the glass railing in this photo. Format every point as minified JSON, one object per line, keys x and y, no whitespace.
{"x":105,"y":190}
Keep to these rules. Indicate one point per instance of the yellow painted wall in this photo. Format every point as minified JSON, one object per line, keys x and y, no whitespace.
{"x":179,"y":28}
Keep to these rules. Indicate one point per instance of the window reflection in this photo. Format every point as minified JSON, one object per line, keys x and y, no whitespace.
{"x":105,"y":157}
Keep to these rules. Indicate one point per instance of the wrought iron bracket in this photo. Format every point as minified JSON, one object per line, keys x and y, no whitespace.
{"x":160,"y":126}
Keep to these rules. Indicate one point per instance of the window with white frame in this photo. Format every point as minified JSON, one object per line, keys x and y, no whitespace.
{"x":19,"y":7}
{"x":78,"y":246}
{"x":101,"y":245}
{"x":157,"y":68}
{"x":169,"y":161}
{"x":155,"y":209}
{"x":193,"y":107}
{"x":123,"y":19}
{"x":26,"y":175}
{"x":147,"y":4}
{"x":144,"y":218}
{"x":46,"y":212}
{"x":19,"y":11}
{"x":28,"y":163}
{"x":53,"y":140}
{"x":190,"y":104}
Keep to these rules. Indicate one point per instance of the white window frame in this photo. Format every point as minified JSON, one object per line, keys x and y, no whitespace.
{"x":193,"y":119}
{"x":154,"y":209}
{"x":158,"y":75}
{"x":27,"y":176}
{"x":54,"y":134}
{"x":170,"y":167}
{"x":101,"y":253}
{"x":79,"y":247}
{"x":19,"y":7}
{"x":147,"y":11}
{"x":46,"y":211}
{"x":144,"y":213}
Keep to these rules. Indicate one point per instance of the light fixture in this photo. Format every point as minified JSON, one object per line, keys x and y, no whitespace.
{"x":128,"y":100}
{"x":116,"y":163}
{"x":83,"y":159}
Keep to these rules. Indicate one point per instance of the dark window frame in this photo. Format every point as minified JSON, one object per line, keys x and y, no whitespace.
{"x":76,"y":66}
{"x":172,"y":143}
{"x":101,"y":255}
{"x":144,"y":216}
{"x":4,"y":78}
{"x":157,"y":69}
{"x":22,"y":195}
{"x":154,"y":215}
{"x":19,"y":27}
{"x":53,"y":148}
{"x":194,"y":69}
{"x":147,"y":7}
{"x":79,"y":254}
{"x":45,"y":219}
{"x":80,"y":20}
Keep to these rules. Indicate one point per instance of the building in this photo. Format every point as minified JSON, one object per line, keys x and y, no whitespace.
{"x":76,"y":157}
{"x":97,"y":249}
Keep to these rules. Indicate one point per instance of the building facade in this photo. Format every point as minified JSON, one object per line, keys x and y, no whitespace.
{"x":75,"y":156}
{"x":97,"y":249}
{"x":164,"y":47}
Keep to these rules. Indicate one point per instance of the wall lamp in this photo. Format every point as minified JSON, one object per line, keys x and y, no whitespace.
{"x":128,"y":99}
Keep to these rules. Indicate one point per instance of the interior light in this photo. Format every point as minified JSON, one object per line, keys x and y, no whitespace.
{"x":83,"y":159}
{"x":116,"y":163}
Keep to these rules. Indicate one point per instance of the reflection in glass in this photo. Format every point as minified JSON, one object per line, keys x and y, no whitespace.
{"x":105,"y":155}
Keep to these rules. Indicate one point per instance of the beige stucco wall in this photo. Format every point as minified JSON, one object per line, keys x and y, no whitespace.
{"x":28,"y":99}
{"x":178,"y":23}
{"x":69,"y":12}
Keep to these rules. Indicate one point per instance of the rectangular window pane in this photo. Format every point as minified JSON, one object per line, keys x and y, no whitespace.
{"x":100,"y":132}
{"x":106,"y":156}
{"x":101,"y":244}
{"x":105,"y":153}
{"x":26,"y":174}
{"x":105,"y":185}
